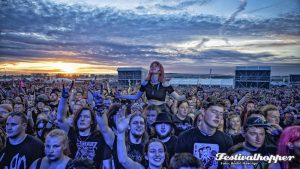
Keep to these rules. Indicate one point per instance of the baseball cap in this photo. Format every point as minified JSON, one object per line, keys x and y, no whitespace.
{"x":289,"y":109}
{"x":256,"y":121}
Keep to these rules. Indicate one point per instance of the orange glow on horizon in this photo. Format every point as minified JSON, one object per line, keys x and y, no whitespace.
{"x":53,"y":67}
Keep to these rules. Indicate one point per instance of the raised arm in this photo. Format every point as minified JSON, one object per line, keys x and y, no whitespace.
{"x":72,"y":98}
{"x":178,"y":97}
{"x":130,"y":97}
{"x":62,"y":108}
{"x":90,"y":92}
{"x":126,"y":162}
{"x":102,"y":120}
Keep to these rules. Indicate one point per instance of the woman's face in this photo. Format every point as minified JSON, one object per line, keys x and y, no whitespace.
{"x":18,"y":99}
{"x":235,"y":123}
{"x":40,"y":128}
{"x":151,"y":116}
{"x":183,"y":109}
{"x":54,"y":148}
{"x":154,"y":68}
{"x":3,"y":114}
{"x":156,"y":154}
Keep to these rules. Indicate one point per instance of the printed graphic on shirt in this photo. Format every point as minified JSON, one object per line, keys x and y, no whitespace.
{"x":207,"y":154}
{"x":183,"y":126}
{"x":16,"y":162}
{"x":135,"y":155}
{"x":86,"y":149}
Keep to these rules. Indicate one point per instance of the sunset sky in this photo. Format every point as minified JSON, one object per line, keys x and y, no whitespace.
{"x":187,"y":36}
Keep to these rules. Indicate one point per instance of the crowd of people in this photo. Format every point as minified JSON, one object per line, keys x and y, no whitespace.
{"x":151,"y":125}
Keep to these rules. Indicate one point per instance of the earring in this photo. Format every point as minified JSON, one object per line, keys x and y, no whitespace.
{"x":290,"y":146}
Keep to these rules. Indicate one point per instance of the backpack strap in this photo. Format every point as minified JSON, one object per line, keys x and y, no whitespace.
{"x":38,"y":164}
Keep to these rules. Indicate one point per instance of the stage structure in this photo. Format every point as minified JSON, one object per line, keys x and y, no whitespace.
{"x":252,"y":76}
{"x":134,"y":74}
{"x":295,"y":80}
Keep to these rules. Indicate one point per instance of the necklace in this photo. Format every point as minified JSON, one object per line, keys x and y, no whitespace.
{"x":87,"y":137}
{"x":153,"y":85}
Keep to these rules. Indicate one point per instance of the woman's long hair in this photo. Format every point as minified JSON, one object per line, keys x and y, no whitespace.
{"x":146,"y":148}
{"x":93,"y":119}
{"x":161,"y":76}
{"x":231,"y":116}
{"x":289,"y":135}
{"x":145,"y":137}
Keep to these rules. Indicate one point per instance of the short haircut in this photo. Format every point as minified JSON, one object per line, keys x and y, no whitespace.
{"x":264,"y":110}
{"x":215,"y":102}
{"x":63,"y":135}
{"x":181,"y":102}
{"x":153,"y":107}
{"x":185,"y":160}
{"x":19,"y":114}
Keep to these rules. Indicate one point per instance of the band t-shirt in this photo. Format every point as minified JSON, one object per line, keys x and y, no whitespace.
{"x":182,"y":125}
{"x":134,"y":151}
{"x":92,"y":147}
{"x":171,"y":145}
{"x":21,"y":156}
{"x":204,"y":147}
{"x":157,"y":91}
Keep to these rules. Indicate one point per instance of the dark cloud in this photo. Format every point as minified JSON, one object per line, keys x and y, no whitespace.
{"x":240,"y":8}
{"x":183,"y":4}
{"x":41,"y":30}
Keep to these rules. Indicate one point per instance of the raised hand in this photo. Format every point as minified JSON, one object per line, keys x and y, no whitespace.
{"x":192,"y":92}
{"x":66,"y":90}
{"x":122,"y":122}
{"x":29,"y":113}
{"x":98,"y":99}
{"x":52,"y":116}
{"x":92,"y":85}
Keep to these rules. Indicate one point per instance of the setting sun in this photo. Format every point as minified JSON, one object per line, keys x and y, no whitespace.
{"x":66,"y":67}
{"x":56,"y":67}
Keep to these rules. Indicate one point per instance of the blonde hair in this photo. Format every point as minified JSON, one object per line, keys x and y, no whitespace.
{"x":63,"y":135}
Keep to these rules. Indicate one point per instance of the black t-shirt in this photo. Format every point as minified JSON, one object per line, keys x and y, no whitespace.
{"x":182,"y":125}
{"x":21,"y":156}
{"x":92,"y":147}
{"x":204,"y":147}
{"x":171,"y":146}
{"x":238,"y":138}
{"x":157,"y":91}
{"x":134,"y":151}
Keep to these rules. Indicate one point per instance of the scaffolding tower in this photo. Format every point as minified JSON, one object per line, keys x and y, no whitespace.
{"x":252,"y":77}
